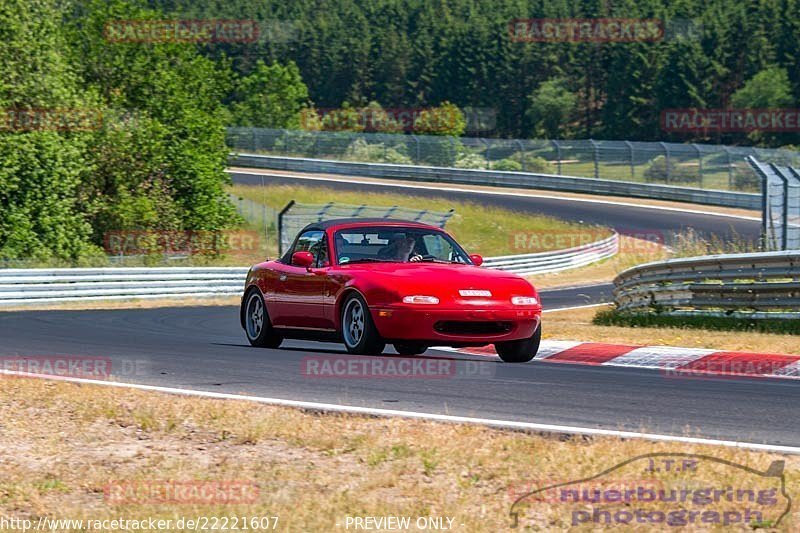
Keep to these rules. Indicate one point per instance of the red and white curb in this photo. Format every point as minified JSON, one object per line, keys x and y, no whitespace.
{"x":674,"y":361}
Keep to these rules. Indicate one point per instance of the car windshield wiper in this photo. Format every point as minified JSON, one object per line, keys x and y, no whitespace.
{"x":437,"y":260}
{"x":365,"y":260}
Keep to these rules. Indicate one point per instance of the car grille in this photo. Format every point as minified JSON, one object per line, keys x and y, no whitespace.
{"x":457,"y":327}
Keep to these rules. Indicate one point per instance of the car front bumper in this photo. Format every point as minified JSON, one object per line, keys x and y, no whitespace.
{"x":455,"y":326}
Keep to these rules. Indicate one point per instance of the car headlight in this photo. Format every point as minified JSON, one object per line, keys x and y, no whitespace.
{"x":524,"y":300}
{"x":419,"y":299}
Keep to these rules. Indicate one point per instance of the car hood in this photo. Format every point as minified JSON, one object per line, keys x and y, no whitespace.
{"x":443,"y":280}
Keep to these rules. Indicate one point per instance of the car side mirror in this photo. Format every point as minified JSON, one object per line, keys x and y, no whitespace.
{"x":477,"y":259}
{"x":303,"y":259}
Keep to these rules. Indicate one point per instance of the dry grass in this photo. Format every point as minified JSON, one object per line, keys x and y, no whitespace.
{"x":478,"y":228}
{"x":63,"y":443}
{"x":577,"y":325}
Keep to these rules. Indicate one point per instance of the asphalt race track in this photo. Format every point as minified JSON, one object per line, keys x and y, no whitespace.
{"x":620,"y":216}
{"x":204,"y":348}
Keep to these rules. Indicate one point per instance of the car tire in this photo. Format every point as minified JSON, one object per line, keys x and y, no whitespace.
{"x":257,"y":325}
{"x":520,"y":351}
{"x":359,"y":333}
{"x":409,"y":348}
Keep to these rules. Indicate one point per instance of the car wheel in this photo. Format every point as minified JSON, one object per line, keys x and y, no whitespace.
{"x":520,"y":351}
{"x":358,"y":331}
{"x":409,"y":348}
{"x":257,"y":325}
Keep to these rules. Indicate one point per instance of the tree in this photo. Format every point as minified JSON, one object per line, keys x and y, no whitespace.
{"x":40,"y":167}
{"x":768,"y":88}
{"x":551,"y":108}
{"x":272,"y":96}
{"x":166,"y":168}
{"x":446,"y":119}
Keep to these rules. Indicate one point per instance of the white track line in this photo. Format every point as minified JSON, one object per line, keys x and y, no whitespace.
{"x":507,"y":424}
{"x":493,"y":193}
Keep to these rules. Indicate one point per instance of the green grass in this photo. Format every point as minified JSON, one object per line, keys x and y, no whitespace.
{"x":478,"y":228}
{"x":655,"y":320}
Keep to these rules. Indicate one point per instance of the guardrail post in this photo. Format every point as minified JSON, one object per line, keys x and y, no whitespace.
{"x":486,"y":152}
{"x":280,"y":226}
{"x":596,"y":157}
{"x":730,"y":168}
{"x":785,"y":214}
{"x":416,"y":141}
{"x":667,"y":161}
{"x":446,"y":217}
{"x":796,"y":175}
{"x":699,"y":163}
{"x":521,"y":153}
{"x":630,"y":159}
{"x":765,"y":206}
{"x":558,"y":155}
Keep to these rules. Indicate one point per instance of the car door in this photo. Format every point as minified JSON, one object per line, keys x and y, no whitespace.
{"x":298,"y":297}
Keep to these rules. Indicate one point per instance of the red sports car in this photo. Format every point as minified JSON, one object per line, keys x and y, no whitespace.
{"x":368,"y":282}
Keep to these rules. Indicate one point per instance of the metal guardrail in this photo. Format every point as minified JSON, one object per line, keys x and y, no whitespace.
{"x":502,"y":179}
{"x":780,"y":218}
{"x":752,"y":285}
{"x":556,"y":261}
{"x":702,"y":166}
{"x":32,"y":286}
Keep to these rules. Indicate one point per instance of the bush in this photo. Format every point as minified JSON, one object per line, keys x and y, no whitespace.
{"x":659,"y":171}
{"x":360,"y":150}
{"x":745,"y":179}
{"x":439,"y":151}
{"x":508,"y":165}
{"x":532,"y":163}
{"x":651,"y":319}
{"x":40,"y":183}
{"x":446,"y":119}
{"x":295,"y":143}
{"x":470,"y":160}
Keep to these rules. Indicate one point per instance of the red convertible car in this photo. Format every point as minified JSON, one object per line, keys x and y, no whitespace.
{"x":369,"y":282}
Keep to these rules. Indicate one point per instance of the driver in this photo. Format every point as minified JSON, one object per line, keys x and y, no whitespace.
{"x":401,"y":249}
{"x":405,"y":250}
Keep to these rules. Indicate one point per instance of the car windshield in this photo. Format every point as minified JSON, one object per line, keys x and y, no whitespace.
{"x":397,"y":245}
